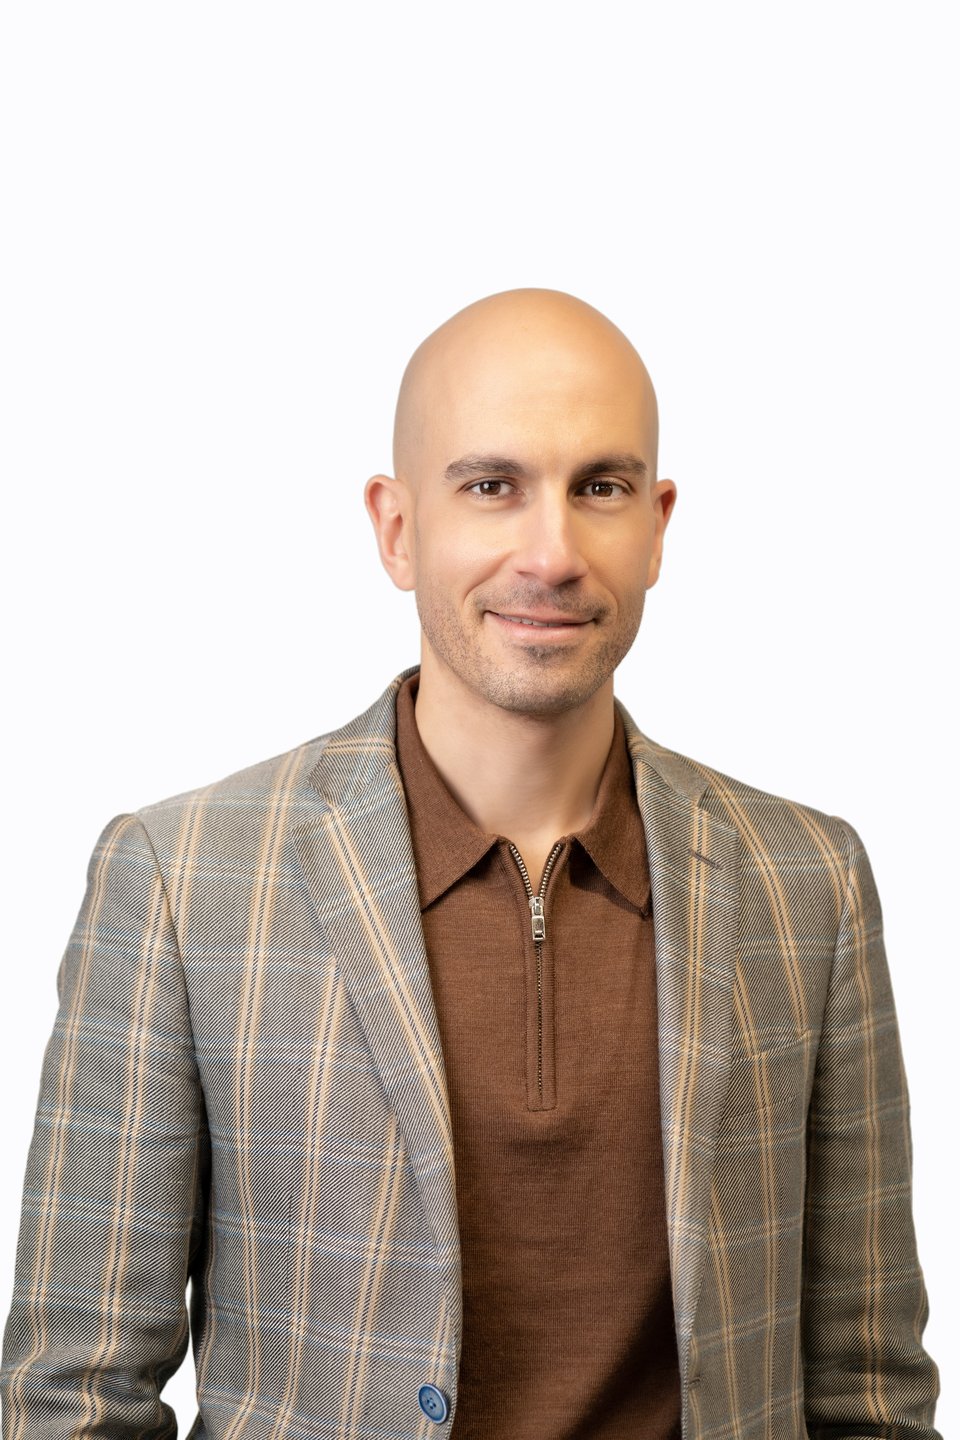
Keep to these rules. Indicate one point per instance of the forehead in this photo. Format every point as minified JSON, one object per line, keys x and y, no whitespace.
{"x":539,"y":398}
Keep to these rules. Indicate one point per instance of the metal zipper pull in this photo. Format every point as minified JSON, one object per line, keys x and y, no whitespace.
{"x":537,"y":918}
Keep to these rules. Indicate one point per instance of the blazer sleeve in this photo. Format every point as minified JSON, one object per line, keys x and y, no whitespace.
{"x":864,"y":1303}
{"x":113,"y":1209}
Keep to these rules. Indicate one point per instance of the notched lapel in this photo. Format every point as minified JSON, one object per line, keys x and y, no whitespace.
{"x":358,"y":862}
{"x":694,"y":879}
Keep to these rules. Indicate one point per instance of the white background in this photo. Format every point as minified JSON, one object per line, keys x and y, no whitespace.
{"x":224,"y":230}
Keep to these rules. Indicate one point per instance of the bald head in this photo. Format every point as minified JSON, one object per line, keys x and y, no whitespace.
{"x":525,"y":489}
{"x":523,"y":352}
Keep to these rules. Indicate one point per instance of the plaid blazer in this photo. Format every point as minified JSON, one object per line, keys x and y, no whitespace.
{"x":244,"y":1090}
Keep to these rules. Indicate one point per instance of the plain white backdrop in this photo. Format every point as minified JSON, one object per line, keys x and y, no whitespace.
{"x":224,"y":230}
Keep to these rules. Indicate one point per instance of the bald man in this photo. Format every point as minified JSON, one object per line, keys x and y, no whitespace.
{"x":485,"y":1067}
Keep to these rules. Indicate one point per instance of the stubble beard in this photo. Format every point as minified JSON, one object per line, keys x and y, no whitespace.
{"x":543,"y":679}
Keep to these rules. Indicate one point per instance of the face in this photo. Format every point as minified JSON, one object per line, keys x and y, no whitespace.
{"x":530,"y":499}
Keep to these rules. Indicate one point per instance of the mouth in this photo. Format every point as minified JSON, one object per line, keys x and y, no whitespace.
{"x":533,"y":625}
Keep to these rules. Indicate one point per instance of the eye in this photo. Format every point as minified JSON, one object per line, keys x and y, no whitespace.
{"x":621,"y":488}
{"x":495,"y":480}
{"x":492,"y":481}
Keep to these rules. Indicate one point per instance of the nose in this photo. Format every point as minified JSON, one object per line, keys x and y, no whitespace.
{"x":548,"y":542}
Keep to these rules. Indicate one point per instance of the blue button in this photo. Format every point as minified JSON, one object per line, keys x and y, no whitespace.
{"x":433,"y":1402}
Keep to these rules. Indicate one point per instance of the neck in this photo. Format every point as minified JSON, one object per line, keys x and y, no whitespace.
{"x":530,"y":777}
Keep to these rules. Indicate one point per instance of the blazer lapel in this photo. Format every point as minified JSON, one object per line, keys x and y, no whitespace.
{"x":358,"y":861}
{"x":694,"y":880}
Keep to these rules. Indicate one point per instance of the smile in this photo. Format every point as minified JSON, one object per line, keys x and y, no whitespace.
{"x":525,"y":620}
{"x":519,"y":623}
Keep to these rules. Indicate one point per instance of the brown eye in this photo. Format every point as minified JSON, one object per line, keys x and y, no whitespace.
{"x":492,"y":481}
{"x":608,"y":483}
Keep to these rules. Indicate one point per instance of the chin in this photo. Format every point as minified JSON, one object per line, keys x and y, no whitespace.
{"x":538,"y":693}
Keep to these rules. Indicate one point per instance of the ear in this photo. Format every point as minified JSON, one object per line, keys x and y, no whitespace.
{"x":390,"y":507}
{"x":663,"y":498}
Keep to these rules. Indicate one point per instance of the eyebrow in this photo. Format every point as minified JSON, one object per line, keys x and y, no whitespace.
{"x":469,"y":466}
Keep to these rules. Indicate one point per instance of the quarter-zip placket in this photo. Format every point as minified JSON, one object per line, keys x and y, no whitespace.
{"x":538,"y":925}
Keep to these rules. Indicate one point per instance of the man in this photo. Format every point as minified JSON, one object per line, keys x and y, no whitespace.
{"x":489,"y":1068}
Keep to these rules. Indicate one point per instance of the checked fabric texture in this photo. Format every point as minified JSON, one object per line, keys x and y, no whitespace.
{"x":244,"y":1091}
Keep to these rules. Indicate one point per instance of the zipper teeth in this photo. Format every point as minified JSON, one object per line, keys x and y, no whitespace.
{"x":523,"y":869}
{"x":551,"y":861}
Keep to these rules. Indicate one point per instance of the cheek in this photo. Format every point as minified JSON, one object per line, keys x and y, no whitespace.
{"x":623,"y":568}
{"x":457,"y":560}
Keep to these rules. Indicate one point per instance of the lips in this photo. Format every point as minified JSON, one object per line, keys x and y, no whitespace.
{"x":539,"y":621}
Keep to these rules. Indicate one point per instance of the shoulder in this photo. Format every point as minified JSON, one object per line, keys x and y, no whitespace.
{"x":243,"y":818}
{"x":237,"y":811}
{"x":800,"y":867}
{"x":775,"y":830}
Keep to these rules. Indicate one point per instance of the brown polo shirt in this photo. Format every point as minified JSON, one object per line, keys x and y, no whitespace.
{"x":552,"y":1071}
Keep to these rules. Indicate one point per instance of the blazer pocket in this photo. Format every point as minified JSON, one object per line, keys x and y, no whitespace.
{"x":760,"y":1159}
{"x":768,"y":1083}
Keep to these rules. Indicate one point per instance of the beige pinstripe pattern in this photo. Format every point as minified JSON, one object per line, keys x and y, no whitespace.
{"x":244,"y":1089}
